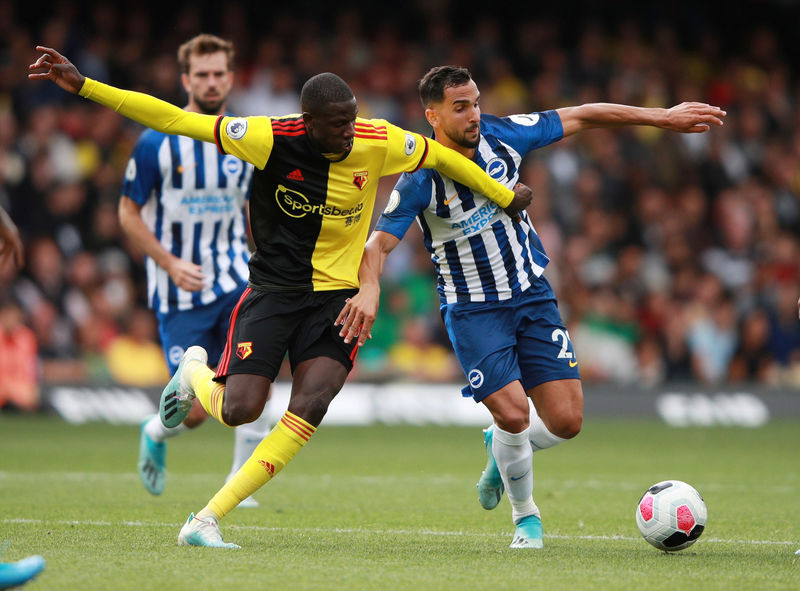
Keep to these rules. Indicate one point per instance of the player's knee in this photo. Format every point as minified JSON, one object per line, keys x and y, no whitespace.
{"x":513,"y":420}
{"x":567,"y":426}
{"x":241,"y":410}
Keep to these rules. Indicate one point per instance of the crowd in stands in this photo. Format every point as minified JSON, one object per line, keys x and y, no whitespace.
{"x":674,"y":257}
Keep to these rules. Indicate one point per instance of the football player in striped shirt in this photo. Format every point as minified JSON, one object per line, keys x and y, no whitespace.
{"x":499,"y":311}
{"x":184,"y":205}
{"x":312,"y":200}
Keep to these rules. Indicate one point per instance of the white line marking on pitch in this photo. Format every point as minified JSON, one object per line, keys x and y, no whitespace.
{"x":328,"y":479}
{"x":338,"y":530}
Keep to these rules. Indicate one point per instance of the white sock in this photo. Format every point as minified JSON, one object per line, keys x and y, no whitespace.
{"x":540,"y":436}
{"x":514,"y":458}
{"x":156,"y":430}
{"x":246,"y":439}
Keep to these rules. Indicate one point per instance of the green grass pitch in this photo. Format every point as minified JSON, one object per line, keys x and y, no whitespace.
{"x":396,"y":508}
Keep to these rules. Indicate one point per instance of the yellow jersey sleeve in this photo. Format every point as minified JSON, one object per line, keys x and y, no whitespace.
{"x":150,"y":111}
{"x":247,"y":138}
{"x":465,"y":171}
{"x":405,"y":151}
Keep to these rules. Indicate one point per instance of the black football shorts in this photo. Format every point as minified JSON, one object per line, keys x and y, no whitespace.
{"x":264,"y":326}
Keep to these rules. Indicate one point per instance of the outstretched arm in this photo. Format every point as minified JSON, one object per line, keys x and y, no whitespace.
{"x":360,"y":311}
{"x":684,"y":118}
{"x":143,"y":108}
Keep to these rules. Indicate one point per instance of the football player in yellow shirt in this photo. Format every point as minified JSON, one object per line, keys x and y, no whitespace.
{"x":311,"y":204}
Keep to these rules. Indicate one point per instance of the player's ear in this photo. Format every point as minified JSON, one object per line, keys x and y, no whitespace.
{"x":308,"y":120}
{"x":185,"y":82}
{"x":431,"y":116}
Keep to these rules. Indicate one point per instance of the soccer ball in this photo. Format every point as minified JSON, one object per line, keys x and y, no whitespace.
{"x":671,"y":515}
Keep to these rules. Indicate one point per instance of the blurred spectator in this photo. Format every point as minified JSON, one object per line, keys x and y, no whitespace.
{"x":134,"y":357}
{"x":415,"y":354}
{"x":605,"y":338}
{"x":712,"y":338}
{"x":266,"y":86}
{"x":19,"y":379}
{"x":753,"y":360}
{"x":784,"y":330}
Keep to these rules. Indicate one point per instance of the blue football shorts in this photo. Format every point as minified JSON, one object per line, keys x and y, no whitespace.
{"x":206,"y":326}
{"x":522,"y":338}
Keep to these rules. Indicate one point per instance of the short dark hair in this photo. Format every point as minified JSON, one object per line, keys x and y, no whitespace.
{"x":323,"y":89}
{"x":204,"y":44}
{"x":433,"y":84}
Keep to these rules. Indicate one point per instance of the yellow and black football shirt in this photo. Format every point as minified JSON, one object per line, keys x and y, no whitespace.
{"x":310,"y":214}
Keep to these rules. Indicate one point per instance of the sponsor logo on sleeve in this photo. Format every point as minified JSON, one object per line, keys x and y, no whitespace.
{"x":527,"y":120}
{"x":130,"y":170}
{"x":394,"y":201}
{"x":236,"y":128}
{"x":411,"y":144}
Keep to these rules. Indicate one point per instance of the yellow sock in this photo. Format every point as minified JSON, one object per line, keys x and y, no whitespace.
{"x":286,"y":439}
{"x":207,"y":391}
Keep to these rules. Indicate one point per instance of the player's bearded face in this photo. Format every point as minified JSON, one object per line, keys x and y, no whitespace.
{"x":460,"y":115}
{"x":210,"y":104}
{"x":208,"y":82}
{"x":467,"y":137}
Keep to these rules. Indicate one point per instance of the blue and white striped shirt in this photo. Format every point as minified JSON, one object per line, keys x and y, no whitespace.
{"x":479,"y":253}
{"x":193,"y":201}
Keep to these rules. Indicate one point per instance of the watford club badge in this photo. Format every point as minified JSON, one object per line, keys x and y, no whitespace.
{"x":360,"y":178}
{"x":243,"y":350}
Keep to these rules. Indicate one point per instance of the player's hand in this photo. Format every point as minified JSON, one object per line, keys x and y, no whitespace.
{"x":54,"y":66}
{"x":358,"y":315}
{"x":522,"y":199}
{"x":693,"y":117}
{"x":187,"y":275}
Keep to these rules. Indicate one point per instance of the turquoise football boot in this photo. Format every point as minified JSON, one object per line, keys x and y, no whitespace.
{"x":528,"y":533}
{"x":202,"y":532}
{"x":177,"y":397}
{"x":490,"y":485}
{"x":13,"y":574}
{"x":152,"y":464}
